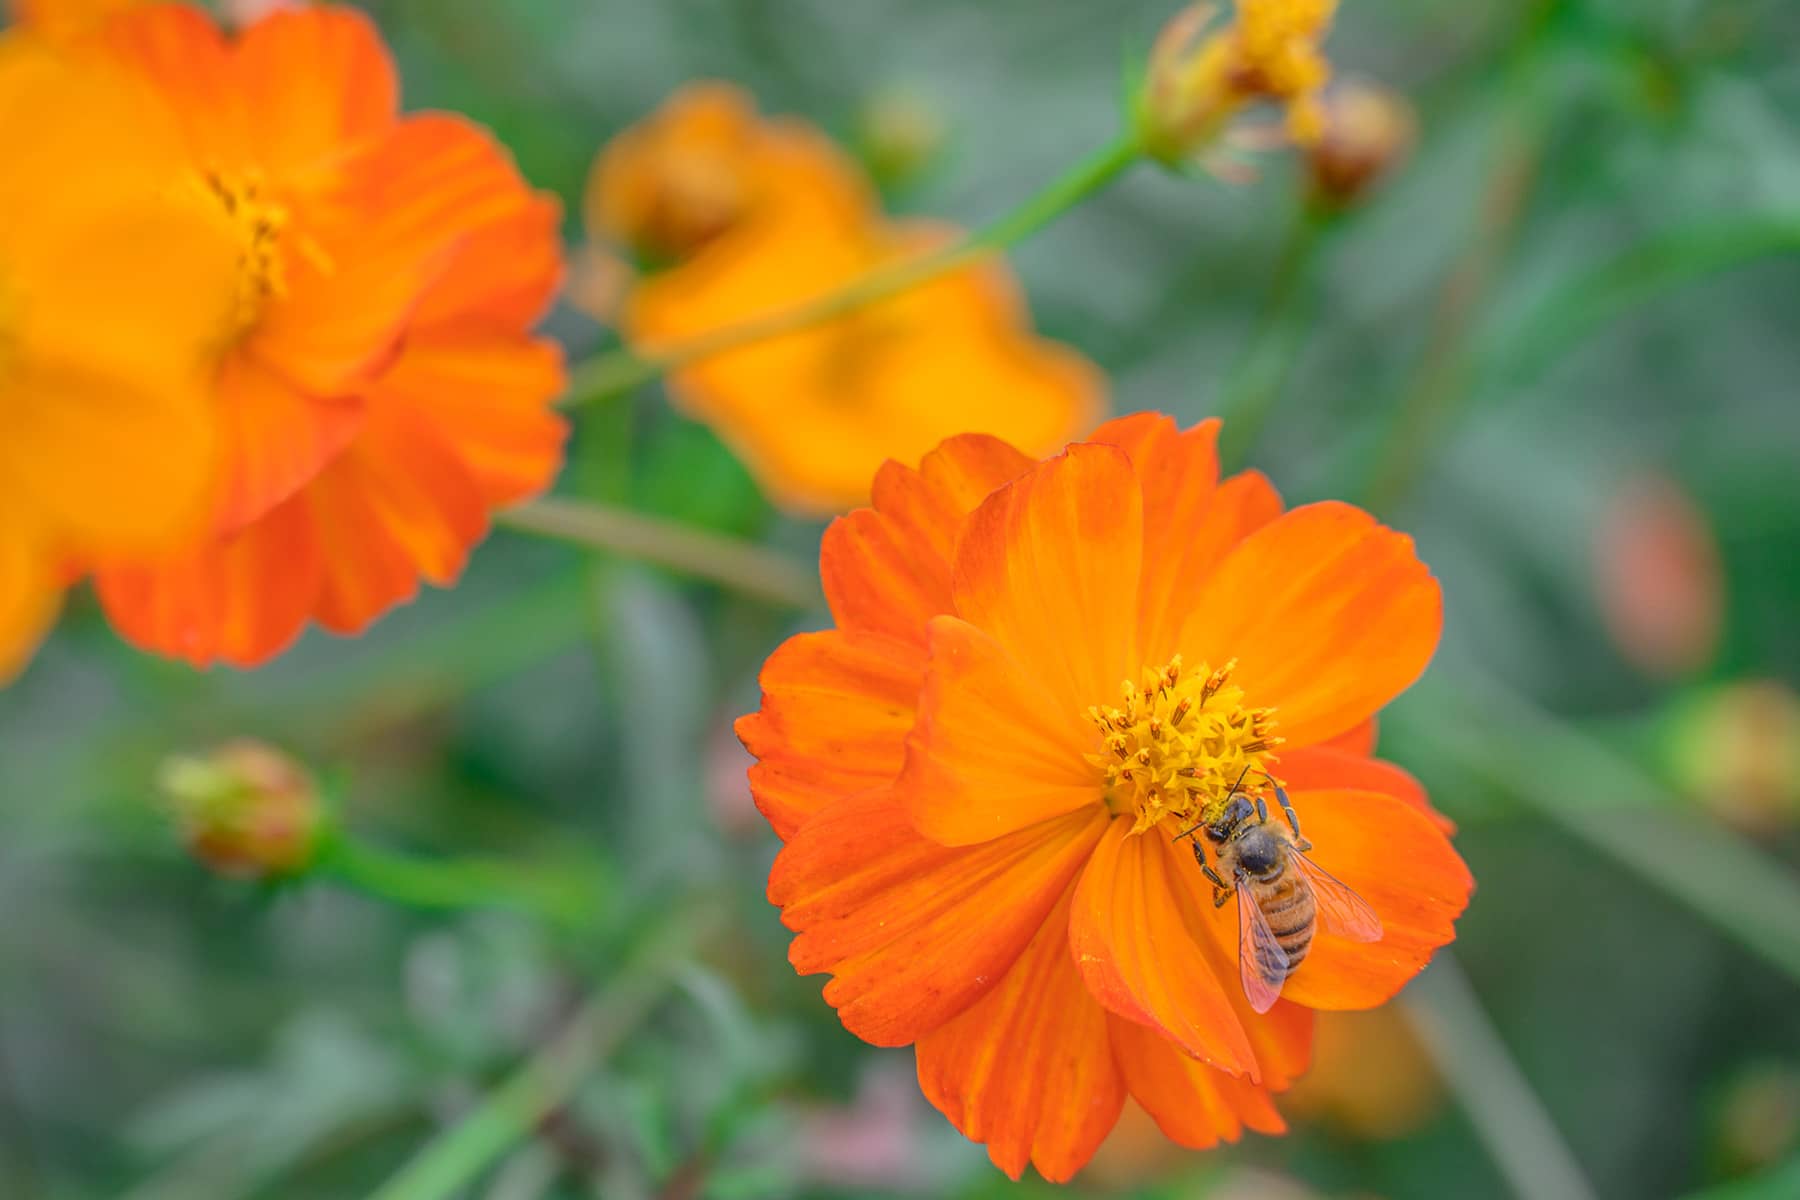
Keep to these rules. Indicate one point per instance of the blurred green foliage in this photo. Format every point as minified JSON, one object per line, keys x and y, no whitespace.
{"x":1591,"y":270}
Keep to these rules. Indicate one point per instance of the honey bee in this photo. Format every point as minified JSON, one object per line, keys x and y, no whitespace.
{"x":1282,"y":895}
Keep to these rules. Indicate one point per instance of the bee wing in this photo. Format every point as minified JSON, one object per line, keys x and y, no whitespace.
{"x":1262,"y":962}
{"x":1341,"y":911}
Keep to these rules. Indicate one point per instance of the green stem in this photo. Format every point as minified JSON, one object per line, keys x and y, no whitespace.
{"x":1508,"y":1116}
{"x":1256,"y":382}
{"x":1653,"y":267}
{"x":567,"y":901}
{"x":622,"y":371}
{"x":512,"y":1111}
{"x":729,"y":562}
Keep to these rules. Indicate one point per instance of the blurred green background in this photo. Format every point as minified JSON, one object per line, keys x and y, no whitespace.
{"x":1588,"y":277}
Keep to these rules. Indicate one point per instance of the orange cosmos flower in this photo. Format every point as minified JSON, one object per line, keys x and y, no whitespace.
{"x":113,"y":281}
{"x":382,"y":392}
{"x":814,"y":413}
{"x":980,"y":798}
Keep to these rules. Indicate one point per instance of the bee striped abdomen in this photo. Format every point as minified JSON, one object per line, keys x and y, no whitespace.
{"x":1287,"y":903}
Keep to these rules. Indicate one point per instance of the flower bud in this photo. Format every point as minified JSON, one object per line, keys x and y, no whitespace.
{"x":1659,"y":577}
{"x":1736,"y":749}
{"x":1199,"y":79}
{"x":1367,"y":132}
{"x":899,"y":134}
{"x":245,"y":809}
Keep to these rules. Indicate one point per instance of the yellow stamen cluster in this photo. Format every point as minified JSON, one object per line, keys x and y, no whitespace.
{"x":1177,"y":743}
{"x":1198,"y":83}
{"x":259,"y":223}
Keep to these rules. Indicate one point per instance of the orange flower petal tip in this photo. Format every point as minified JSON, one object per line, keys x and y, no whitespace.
{"x":379,"y":385}
{"x":1085,"y":765}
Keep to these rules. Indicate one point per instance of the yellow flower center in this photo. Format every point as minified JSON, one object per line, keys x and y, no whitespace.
{"x":1179,"y":742}
{"x":259,"y":223}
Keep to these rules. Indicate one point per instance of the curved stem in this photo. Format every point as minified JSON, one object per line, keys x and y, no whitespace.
{"x":729,"y":562}
{"x":565,"y":901}
{"x":621,"y":371}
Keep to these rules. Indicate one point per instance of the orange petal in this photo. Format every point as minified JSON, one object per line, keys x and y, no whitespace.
{"x":390,"y":229}
{"x":506,"y":272}
{"x":1358,"y":739}
{"x":182,"y":54}
{"x":1196,"y":1105}
{"x":887,"y":568}
{"x":275,"y":438}
{"x":1329,"y":614}
{"x":1323,"y":768}
{"x":1136,"y":938}
{"x":1178,"y":472}
{"x":1395,"y":858}
{"x":240,"y":599}
{"x":487,"y":394}
{"x":1048,"y":565}
{"x":914,"y":932}
{"x":836,"y":708}
{"x":29,"y":598}
{"x":1027,"y":1069}
{"x":989,"y":753}
{"x":395,"y":507}
{"x":315,"y":83}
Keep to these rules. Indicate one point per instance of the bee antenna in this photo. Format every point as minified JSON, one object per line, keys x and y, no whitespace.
{"x":1240,"y":781}
{"x":1188,"y":832}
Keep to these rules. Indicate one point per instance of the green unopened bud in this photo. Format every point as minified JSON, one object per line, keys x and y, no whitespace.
{"x":245,"y":809}
{"x":899,"y":133}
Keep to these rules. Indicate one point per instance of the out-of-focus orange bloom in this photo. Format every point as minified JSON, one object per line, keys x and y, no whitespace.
{"x":1657,"y":572}
{"x":984,"y":876}
{"x":815,"y":413}
{"x":114,"y":284}
{"x":382,"y":392}
{"x":1199,"y":80}
{"x":65,"y":20}
{"x":1371,"y":1077}
{"x":707,"y":164}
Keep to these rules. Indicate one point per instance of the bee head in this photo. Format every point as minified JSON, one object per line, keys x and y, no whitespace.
{"x":1237,"y":811}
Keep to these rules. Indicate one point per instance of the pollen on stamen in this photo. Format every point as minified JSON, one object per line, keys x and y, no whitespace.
{"x":1178,"y":742}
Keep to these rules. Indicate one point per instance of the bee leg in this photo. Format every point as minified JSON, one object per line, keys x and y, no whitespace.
{"x":1287,"y":806}
{"x":1262,"y":810}
{"x":1220,"y":896}
{"x":1200,"y":857}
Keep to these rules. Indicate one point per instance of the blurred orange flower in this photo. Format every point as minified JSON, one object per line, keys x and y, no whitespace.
{"x":114,"y":284}
{"x":965,"y":850}
{"x":814,"y":413}
{"x":762,"y":214}
{"x":707,"y":164}
{"x":1371,"y":1077}
{"x":382,"y":392}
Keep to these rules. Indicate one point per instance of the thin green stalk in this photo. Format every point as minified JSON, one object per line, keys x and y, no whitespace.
{"x":1507,"y":1115}
{"x":565,"y":900}
{"x":1653,"y":267}
{"x":621,"y":371}
{"x":512,"y":1111}
{"x":1256,"y":382}
{"x":729,"y":562}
